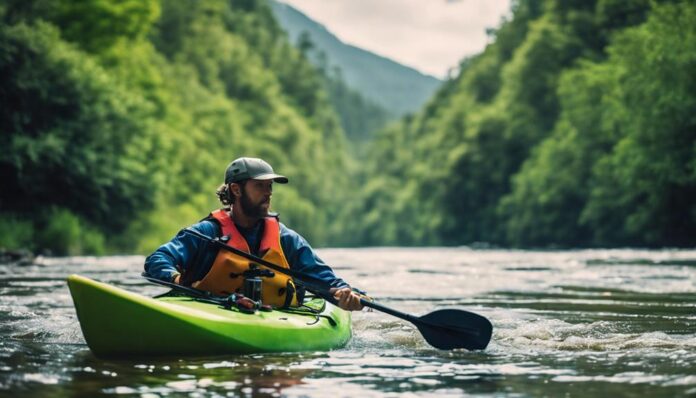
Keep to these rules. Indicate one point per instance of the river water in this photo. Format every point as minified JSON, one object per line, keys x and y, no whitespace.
{"x":573,"y":323}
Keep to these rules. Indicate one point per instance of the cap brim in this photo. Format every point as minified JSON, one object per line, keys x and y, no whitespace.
{"x":275,"y":177}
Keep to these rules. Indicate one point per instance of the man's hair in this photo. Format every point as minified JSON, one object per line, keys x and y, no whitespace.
{"x":225,"y":196}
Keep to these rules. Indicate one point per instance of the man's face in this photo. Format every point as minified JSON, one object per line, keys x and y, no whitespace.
{"x":256,"y":197}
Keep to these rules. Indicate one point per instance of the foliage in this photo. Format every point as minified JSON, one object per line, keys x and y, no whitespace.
{"x":126,"y":113}
{"x":616,"y":169}
{"x":646,"y":185}
{"x":72,"y":135}
{"x":15,"y":233}
{"x":573,"y":128}
{"x":65,"y":234}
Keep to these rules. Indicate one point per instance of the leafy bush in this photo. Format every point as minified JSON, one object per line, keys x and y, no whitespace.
{"x":15,"y":233}
{"x":63,"y":234}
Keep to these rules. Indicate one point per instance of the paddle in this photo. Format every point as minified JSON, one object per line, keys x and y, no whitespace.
{"x":445,"y":329}
{"x":193,"y":292}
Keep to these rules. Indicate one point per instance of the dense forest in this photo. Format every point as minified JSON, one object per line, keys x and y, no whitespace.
{"x":119,"y":118}
{"x":575,"y":127}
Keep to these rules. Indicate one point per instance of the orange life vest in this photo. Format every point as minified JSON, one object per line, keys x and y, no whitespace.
{"x":225,"y":275}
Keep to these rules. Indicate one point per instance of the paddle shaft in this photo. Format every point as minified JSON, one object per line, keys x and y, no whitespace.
{"x":189,"y":290}
{"x":390,"y":311}
{"x":197,"y":293}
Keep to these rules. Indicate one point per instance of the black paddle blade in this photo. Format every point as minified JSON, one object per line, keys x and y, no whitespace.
{"x":448,"y":329}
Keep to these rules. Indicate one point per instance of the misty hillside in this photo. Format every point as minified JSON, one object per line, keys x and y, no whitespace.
{"x":397,"y":88}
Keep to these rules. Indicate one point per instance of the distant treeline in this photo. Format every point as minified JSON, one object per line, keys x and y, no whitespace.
{"x":359,"y":117}
{"x":575,"y":127}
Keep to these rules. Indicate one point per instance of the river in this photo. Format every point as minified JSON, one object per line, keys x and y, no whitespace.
{"x":574,"y":323}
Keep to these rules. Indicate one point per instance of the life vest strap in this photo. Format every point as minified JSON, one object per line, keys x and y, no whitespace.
{"x":228,"y":229}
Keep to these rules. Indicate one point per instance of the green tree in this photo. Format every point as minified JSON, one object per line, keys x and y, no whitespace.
{"x":643,"y":190}
{"x":553,"y":185}
{"x":72,"y":136}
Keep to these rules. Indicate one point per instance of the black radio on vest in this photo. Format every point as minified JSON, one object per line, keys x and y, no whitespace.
{"x":253,"y":283}
{"x":252,"y":288}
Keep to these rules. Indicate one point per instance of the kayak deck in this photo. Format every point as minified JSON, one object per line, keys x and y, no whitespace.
{"x":119,"y":323}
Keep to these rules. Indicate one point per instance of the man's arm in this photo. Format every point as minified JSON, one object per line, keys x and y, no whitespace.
{"x":302,"y":258}
{"x":173,"y":257}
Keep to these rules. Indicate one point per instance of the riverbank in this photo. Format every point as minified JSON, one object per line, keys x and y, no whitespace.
{"x":17,"y":257}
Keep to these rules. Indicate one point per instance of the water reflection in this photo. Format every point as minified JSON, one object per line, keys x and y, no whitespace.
{"x":251,"y":375}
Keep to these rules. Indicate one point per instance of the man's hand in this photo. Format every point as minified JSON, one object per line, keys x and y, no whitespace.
{"x":347,"y":299}
{"x":177,"y":280}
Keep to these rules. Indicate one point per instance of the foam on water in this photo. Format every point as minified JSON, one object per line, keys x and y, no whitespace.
{"x":554,"y":334}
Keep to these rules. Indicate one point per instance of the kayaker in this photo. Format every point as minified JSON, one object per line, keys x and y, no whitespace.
{"x":247,"y":225}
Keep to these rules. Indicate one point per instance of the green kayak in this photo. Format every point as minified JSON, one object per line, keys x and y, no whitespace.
{"x":119,"y":323}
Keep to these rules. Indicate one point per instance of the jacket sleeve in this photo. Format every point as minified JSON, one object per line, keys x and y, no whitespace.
{"x":177,"y":255}
{"x":302,"y":258}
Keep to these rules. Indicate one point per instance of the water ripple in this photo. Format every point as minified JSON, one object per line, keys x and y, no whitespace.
{"x":600,"y":322}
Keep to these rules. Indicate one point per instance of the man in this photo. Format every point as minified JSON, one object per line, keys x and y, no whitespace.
{"x":244,"y":223}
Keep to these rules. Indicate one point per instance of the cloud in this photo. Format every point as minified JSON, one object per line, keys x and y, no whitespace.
{"x":429,"y":35}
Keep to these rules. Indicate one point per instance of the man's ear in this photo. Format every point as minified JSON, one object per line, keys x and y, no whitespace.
{"x":235,"y":189}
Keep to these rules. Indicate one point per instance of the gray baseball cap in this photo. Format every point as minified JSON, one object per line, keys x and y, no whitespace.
{"x":251,"y":168}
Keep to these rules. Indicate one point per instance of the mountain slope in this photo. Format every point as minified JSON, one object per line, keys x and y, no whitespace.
{"x":395,"y":87}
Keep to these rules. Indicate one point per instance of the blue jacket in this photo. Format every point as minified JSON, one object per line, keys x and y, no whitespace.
{"x":186,"y":250}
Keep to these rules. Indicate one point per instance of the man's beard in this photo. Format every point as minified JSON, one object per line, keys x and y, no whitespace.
{"x":250,"y":209}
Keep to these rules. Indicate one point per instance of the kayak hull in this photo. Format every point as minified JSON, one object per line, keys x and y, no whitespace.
{"x":119,"y":323}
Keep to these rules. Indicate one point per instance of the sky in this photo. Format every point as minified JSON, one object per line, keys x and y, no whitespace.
{"x":431,"y":36}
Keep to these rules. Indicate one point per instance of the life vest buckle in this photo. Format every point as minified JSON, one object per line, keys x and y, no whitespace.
{"x":254,"y":271}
